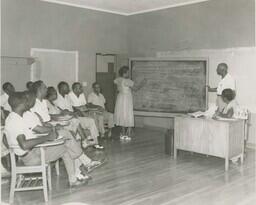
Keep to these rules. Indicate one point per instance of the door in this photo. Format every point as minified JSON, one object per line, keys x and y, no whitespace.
{"x":105,"y":75}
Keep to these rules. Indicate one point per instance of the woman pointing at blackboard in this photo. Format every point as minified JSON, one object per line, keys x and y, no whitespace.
{"x":123,"y":115}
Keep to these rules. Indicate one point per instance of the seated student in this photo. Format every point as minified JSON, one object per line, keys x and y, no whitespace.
{"x":8,"y":89}
{"x":77,"y":99}
{"x":231,"y":107}
{"x":20,"y":136}
{"x":97,"y":100}
{"x":33,"y":122}
{"x":55,"y":112}
{"x":64,"y":104}
{"x":29,"y":85}
{"x":40,"y":106}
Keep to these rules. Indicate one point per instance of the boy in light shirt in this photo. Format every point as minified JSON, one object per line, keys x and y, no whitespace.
{"x":96,"y":99}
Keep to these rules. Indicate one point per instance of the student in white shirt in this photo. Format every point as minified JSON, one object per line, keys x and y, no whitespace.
{"x":231,"y":106}
{"x":226,"y":82}
{"x":64,"y":104}
{"x":8,"y":89}
{"x":76,"y":97}
{"x":98,"y":100}
{"x":40,"y":106}
{"x":20,"y":136}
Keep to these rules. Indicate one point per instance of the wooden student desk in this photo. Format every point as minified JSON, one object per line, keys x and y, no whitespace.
{"x":220,"y":138}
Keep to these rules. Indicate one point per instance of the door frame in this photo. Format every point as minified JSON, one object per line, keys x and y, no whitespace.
{"x":33,"y":50}
{"x":105,"y":54}
{"x":115,"y":71}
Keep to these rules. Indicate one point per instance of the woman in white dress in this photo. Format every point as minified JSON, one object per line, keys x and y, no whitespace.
{"x":123,"y":115}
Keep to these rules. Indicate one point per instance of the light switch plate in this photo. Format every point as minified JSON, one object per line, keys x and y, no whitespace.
{"x":84,"y":84}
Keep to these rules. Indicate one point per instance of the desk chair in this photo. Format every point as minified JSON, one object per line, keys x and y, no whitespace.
{"x":32,"y":183}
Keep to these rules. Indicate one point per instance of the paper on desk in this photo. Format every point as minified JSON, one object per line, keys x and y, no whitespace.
{"x":208,"y":113}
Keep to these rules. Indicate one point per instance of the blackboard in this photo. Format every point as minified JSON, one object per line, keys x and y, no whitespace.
{"x":170,"y":85}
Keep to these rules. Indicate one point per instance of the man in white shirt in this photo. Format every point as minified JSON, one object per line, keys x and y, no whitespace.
{"x":8,"y":89}
{"x":227,"y":82}
{"x":77,"y":100}
{"x":98,"y":100}
{"x":40,"y":106}
{"x":63,"y":102}
{"x":76,"y":96}
{"x":20,"y":136}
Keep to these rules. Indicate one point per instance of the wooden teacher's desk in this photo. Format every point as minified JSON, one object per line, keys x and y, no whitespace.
{"x":220,"y":138}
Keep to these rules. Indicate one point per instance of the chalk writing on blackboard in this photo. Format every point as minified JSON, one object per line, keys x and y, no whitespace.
{"x":171,"y":86}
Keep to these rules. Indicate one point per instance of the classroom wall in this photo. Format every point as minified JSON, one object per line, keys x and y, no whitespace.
{"x":206,"y":25}
{"x":30,"y":24}
{"x":221,"y":30}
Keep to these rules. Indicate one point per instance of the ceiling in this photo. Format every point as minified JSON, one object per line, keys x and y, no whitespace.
{"x":125,"y":7}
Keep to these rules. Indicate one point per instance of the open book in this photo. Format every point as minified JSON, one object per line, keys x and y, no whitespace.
{"x":197,"y":114}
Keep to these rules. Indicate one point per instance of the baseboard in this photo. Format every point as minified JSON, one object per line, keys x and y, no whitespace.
{"x":251,"y":145}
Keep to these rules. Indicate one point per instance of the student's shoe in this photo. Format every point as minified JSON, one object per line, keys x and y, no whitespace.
{"x":78,"y":183}
{"x":97,"y":146}
{"x":122,"y":137}
{"x":81,"y":177}
{"x":234,"y":160}
{"x":127,"y":138}
{"x":93,"y":165}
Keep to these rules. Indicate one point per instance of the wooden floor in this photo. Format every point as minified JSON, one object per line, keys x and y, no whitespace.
{"x":139,"y":173}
